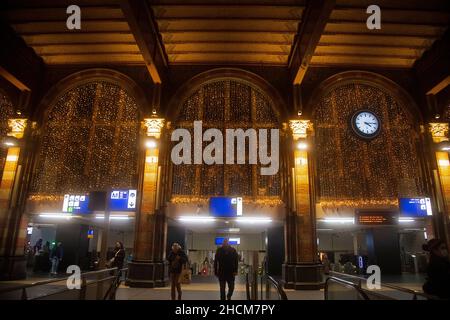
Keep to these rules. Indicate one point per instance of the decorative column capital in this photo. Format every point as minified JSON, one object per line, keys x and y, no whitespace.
{"x":439,"y":131}
{"x":153,"y":126}
{"x":300,"y":128}
{"x":17,"y":127}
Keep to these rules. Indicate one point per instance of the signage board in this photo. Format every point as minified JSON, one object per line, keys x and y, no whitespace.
{"x":76,"y":203}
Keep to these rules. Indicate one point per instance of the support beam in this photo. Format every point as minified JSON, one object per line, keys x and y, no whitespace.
{"x":142,"y":25}
{"x":433,"y":68}
{"x":19,"y":64}
{"x":311,"y":28}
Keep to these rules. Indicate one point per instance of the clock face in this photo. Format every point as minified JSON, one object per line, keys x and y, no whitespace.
{"x":366,"y":124}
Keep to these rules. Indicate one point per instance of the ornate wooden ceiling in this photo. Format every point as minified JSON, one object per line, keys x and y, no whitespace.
{"x":260,"y":32}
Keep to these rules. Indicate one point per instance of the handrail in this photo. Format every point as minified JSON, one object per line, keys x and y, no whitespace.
{"x":111,"y":290}
{"x":281,"y":294}
{"x":277,"y":286}
{"x":345,"y":283}
{"x":43,"y":282}
{"x":415,"y":293}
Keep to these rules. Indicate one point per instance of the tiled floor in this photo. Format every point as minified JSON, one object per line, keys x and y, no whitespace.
{"x":201,"y":288}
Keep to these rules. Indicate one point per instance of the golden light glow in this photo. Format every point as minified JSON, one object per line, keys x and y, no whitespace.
{"x":9,"y":173}
{"x":300,"y":128}
{"x":260,"y":200}
{"x":153,"y":127}
{"x":439,"y":131}
{"x":17,"y":127}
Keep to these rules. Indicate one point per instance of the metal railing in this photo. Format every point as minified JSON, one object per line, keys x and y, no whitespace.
{"x":339,"y":289}
{"x":386,"y":292}
{"x":95,"y":285}
{"x":269,"y":288}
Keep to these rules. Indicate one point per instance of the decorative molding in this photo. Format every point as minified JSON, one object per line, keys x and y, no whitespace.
{"x":153,"y":126}
{"x":17,"y":127}
{"x":439,"y":131}
{"x":300,"y":128}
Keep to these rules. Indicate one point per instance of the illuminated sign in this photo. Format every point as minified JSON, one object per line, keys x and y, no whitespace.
{"x":415,"y":207}
{"x":90,"y":233}
{"x":123,"y":200}
{"x":375,"y":218}
{"x":225,"y":206}
{"x":231,"y":241}
{"x":76,"y":203}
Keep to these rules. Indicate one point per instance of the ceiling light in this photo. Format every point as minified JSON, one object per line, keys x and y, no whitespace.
{"x":342,"y":220}
{"x":196,"y":219}
{"x":252,"y":220}
{"x":56,"y":215}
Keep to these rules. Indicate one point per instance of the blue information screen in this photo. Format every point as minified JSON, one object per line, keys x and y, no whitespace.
{"x":225,"y":206}
{"x":231,"y":241}
{"x":415,"y":207}
{"x":122,"y":200}
{"x":76,"y":204}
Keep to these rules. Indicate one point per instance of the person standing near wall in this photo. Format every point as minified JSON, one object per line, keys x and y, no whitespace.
{"x":438,"y":271}
{"x":56,"y":257}
{"x":226,"y":268}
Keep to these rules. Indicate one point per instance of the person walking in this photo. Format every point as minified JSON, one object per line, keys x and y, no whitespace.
{"x":117,"y":260}
{"x":226,"y":268}
{"x":56,"y":257}
{"x":438,"y":270}
{"x":177,"y":258}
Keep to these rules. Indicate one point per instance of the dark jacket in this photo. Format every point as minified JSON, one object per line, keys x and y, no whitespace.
{"x":57,"y":252}
{"x":119,"y":256}
{"x":438,"y":280}
{"x":226,"y":263}
{"x":176,"y":265}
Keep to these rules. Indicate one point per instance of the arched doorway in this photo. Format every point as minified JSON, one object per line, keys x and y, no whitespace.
{"x":226,"y":99}
{"x":89,"y":141}
{"x":367,"y":176}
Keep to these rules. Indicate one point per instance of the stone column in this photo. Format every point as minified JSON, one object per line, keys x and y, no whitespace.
{"x":148,"y":268}
{"x":302,"y":269}
{"x":13,"y":224}
{"x":441,"y":180}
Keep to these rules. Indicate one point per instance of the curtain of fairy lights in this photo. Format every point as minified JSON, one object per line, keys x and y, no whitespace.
{"x":6,"y":112}
{"x":89,"y":141}
{"x":352,"y":171}
{"x":226,"y":104}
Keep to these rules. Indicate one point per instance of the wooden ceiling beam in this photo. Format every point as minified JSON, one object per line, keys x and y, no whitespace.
{"x":59,"y":14}
{"x":311,"y":28}
{"x":60,"y":38}
{"x":86,"y":48}
{"x":93,"y":58}
{"x":38,"y":27}
{"x":142,"y":25}
{"x":230,"y":24}
{"x":375,"y":40}
{"x":393,"y":16}
{"x":236,"y":11}
{"x":433,"y":68}
{"x":362,"y":61}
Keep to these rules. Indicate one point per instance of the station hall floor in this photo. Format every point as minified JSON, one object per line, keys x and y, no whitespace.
{"x":207,"y":288}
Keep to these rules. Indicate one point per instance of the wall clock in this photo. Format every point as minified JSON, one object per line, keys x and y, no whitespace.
{"x":366,"y":124}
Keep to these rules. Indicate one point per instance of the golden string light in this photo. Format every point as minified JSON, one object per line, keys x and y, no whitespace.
{"x":89,"y":141}
{"x":225,"y":104}
{"x":364,"y":172}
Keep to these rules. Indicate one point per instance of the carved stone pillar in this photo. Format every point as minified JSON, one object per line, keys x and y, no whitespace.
{"x":441,"y":176}
{"x":13,"y":224}
{"x":148,"y":268}
{"x":302,"y":269}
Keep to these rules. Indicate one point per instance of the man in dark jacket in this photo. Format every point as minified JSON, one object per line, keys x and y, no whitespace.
{"x":438,"y":270}
{"x":56,"y":257}
{"x":177,"y":258}
{"x":226,"y":268}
